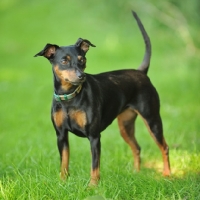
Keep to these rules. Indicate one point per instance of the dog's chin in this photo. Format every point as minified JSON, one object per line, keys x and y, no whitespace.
{"x":78,"y":82}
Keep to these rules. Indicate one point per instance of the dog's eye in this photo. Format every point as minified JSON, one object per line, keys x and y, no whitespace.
{"x":82,"y":60}
{"x":64,"y":61}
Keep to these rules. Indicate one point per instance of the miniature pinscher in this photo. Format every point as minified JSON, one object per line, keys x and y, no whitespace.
{"x":86,"y":104}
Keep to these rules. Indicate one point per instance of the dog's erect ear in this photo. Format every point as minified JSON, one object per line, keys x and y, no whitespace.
{"x":84,"y":44}
{"x":48,"y":51}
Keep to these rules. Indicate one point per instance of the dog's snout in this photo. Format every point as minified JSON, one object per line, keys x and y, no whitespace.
{"x":80,"y":75}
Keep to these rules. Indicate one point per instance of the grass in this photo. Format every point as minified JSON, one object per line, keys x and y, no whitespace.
{"x":29,"y":161}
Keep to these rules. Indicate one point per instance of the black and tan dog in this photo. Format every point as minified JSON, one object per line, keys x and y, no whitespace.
{"x":86,"y":104}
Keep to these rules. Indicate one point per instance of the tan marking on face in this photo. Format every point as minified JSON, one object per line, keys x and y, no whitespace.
{"x":64,"y":164}
{"x":62,"y":75}
{"x":68,"y":57}
{"x":59,"y":117}
{"x":82,"y":59}
{"x":79,"y":57}
{"x":79,"y":117}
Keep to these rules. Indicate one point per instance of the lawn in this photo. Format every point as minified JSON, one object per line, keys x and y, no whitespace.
{"x":29,"y":160}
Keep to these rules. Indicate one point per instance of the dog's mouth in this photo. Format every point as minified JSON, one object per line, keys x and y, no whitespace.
{"x":78,"y":82}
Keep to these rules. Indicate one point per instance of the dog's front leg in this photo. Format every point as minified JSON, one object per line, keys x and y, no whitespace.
{"x":95,"y":168}
{"x":63,"y":147}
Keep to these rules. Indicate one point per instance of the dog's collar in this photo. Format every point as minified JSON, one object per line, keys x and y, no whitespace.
{"x":66,"y":97}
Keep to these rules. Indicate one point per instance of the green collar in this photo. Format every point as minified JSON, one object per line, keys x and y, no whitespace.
{"x":68,"y":96}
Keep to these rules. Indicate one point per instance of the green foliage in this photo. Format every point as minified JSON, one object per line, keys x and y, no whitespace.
{"x":29,"y":161}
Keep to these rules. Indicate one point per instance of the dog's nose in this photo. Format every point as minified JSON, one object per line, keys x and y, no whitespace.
{"x":80,"y":75}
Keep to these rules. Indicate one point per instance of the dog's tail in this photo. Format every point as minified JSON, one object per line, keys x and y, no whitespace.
{"x":147,"y":56}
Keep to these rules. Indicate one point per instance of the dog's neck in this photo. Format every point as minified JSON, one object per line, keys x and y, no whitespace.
{"x":68,"y":97}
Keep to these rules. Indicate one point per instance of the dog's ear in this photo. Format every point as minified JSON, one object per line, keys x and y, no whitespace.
{"x":48,"y":51}
{"x":84,"y":44}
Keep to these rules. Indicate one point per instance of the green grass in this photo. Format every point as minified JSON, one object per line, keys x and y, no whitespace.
{"x":29,"y":160}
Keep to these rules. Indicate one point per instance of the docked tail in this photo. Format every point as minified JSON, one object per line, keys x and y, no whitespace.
{"x":147,"y":56}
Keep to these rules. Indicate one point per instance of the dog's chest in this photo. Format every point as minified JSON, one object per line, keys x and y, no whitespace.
{"x":77,"y":117}
{"x":71,"y":118}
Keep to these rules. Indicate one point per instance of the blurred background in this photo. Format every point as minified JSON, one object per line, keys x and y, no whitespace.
{"x":26,"y":83}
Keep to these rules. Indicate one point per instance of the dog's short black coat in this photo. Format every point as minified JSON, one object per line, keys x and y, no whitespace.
{"x":86,"y":104}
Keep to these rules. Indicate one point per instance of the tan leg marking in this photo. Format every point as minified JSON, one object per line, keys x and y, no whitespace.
{"x":128,"y":117}
{"x":64,"y":164}
{"x":59,"y":117}
{"x":95,"y":177}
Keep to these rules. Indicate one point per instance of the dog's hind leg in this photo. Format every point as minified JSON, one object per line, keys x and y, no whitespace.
{"x":126,"y":122}
{"x":153,"y":123}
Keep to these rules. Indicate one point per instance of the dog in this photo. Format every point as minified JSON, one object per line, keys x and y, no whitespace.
{"x":86,"y":104}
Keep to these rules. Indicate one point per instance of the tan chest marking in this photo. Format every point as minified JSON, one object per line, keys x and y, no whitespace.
{"x":59,"y":117}
{"x":79,"y":117}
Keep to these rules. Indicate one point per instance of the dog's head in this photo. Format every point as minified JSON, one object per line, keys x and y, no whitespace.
{"x":68,"y":62}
